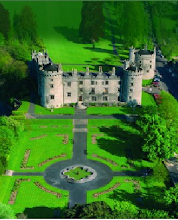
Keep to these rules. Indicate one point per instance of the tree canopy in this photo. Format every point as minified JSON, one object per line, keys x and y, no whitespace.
{"x":6,"y":212}
{"x":4,"y":21}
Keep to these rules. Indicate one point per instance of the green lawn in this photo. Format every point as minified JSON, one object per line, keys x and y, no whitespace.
{"x":146,"y":82}
{"x":77,"y":173}
{"x":109,"y":110}
{"x":43,"y":148}
{"x":64,"y":110}
{"x":151,"y":193}
{"x":59,"y":32}
{"x":147,"y":99}
{"x":31,"y":200}
{"x":115,"y":138}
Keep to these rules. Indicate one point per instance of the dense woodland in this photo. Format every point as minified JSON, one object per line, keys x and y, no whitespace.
{"x":138,"y":23}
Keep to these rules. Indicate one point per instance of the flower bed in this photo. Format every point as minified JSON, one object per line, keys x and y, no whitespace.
{"x":58,"y":195}
{"x":106,"y":159}
{"x":50,"y":159}
{"x":65,"y":138}
{"x":15,"y":190}
{"x":25,"y":160}
{"x":94,"y":141}
{"x":96,"y":195}
{"x":38,"y":137}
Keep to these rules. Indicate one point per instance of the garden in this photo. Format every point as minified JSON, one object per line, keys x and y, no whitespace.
{"x":42,"y":143}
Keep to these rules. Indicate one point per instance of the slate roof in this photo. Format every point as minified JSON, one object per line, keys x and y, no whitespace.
{"x":50,"y":67}
{"x":145,"y":52}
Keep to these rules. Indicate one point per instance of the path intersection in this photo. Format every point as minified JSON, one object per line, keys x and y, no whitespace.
{"x":77,"y":191}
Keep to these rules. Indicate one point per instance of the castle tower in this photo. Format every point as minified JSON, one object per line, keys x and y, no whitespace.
{"x":132,"y":85}
{"x":50,"y":85}
{"x":147,"y":60}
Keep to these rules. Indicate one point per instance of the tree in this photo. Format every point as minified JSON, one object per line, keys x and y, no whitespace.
{"x":159,"y":141}
{"x":25,"y":26}
{"x":171,"y":195}
{"x":126,"y":210}
{"x":94,"y":210}
{"x":153,"y":214}
{"x":92,"y":17}
{"x":4,"y":21}
{"x":6,"y":212}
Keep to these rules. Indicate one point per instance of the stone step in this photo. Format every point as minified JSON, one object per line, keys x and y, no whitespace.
{"x":80,"y":130}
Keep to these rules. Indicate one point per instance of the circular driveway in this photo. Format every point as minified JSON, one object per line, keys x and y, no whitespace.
{"x":52,"y":175}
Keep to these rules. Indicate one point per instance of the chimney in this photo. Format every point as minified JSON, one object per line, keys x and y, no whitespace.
{"x":100,"y":70}
{"x":87,"y":71}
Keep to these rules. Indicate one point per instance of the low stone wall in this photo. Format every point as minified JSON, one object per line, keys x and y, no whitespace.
{"x":58,"y":195}
{"x":96,"y":195}
{"x":25,"y":161}
{"x":84,"y":180}
{"x":50,"y":159}
{"x":106,"y":159}
{"x":15,"y":190}
{"x":41,"y":136}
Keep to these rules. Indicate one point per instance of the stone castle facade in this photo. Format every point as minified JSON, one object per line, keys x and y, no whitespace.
{"x":57,"y":87}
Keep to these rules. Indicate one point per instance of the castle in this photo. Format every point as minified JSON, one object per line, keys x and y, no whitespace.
{"x":57,"y":87}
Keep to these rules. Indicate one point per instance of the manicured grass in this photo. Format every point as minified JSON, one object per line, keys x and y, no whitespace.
{"x":44,"y":148}
{"x":146,"y":82}
{"x":24,"y":107}
{"x":33,"y":201}
{"x":151,"y":193}
{"x":109,"y":110}
{"x":115,"y":138}
{"x":147,"y":99}
{"x":77,"y":173}
{"x":64,"y":110}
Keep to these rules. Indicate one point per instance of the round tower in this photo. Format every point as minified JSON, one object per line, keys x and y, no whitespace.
{"x":132,"y":85}
{"x":50,"y":86}
{"x":146,"y":59}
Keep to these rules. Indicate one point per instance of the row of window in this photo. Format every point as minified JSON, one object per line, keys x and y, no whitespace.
{"x":93,"y":98}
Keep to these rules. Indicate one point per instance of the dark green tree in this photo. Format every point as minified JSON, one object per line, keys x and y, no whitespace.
{"x":4,"y":21}
{"x":159,"y":141}
{"x":25,"y":26}
{"x":92,"y":23}
{"x":153,"y":214}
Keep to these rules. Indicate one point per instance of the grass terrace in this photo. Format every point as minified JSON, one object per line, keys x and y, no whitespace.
{"x":147,"y":82}
{"x":142,"y":192}
{"x":116,"y":143}
{"x":41,"y":140}
{"x":109,"y":110}
{"x":78,"y":173}
{"x":32,"y":200}
{"x":63,"y":110}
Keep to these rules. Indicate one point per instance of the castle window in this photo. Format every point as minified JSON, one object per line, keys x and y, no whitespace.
{"x":118,"y":98}
{"x":105,"y":90}
{"x":147,"y":71}
{"x":51,"y":86}
{"x":69,"y":94}
{"x":131,"y":84}
{"x":93,"y":98}
{"x":130,"y":97}
{"x":150,"y":61}
{"x":140,"y":61}
{"x":106,"y":82}
{"x":92,"y":90}
{"x":118,"y":89}
{"x":92,"y":82}
{"x":69,"y":84}
{"x":81,"y":89}
{"x":131,"y":90}
{"x":52,"y":96}
{"x":80,"y":82}
{"x":105,"y":98}
{"x":150,"y":66}
{"x":132,"y":78}
{"x":51,"y":80}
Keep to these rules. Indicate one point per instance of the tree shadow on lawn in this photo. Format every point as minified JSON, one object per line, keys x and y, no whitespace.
{"x":70,"y":34}
{"x":43,"y":212}
{"x":99,"y":50}
{"x":148,"y":200}
{"x":123,"y":140}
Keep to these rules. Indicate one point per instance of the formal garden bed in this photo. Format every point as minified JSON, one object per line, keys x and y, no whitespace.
{"x":25,"y":160}
{"x":51,"y":159}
